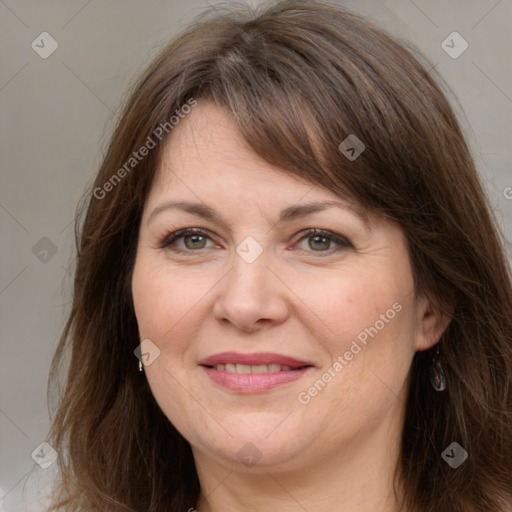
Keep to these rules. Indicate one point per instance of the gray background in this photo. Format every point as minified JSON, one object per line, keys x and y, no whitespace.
{"x":57,"y":113}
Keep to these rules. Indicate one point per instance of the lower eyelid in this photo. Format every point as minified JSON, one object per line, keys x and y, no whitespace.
{"x":167,"y":243}
{"x":336,"y":245}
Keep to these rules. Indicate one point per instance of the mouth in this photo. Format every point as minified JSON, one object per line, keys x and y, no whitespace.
{"x":245,"y":369}
{"x":253,"y":373}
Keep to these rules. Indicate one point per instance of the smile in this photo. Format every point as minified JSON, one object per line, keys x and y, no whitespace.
{"x":253,"y":373}
{"x":258,"y":368}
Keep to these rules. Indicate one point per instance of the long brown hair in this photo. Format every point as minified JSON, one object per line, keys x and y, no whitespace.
{"x":297,"y":77}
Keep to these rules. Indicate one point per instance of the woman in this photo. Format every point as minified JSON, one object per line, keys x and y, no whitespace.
{"x":290,"y":292}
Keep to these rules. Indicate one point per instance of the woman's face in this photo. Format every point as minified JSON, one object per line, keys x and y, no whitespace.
{"x":278,"y":347}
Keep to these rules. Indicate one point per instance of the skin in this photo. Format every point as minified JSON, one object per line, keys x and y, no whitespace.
{"x":302,"y":297}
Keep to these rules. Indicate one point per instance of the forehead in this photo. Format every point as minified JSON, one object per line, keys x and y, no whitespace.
{"x":207,"y":145}
{"x":206,"y":160}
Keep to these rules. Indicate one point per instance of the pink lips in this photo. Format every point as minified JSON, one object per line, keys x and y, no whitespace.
{"x":252,"y":359}
{"x":253,"y":382}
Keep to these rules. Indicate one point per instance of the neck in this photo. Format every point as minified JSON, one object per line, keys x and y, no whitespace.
{"x":358,"y":477}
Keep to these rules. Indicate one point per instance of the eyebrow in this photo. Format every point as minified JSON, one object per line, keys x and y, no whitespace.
{"x":287,"y":215}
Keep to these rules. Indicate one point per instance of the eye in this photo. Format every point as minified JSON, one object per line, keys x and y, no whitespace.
{"x":193,"y":239}
{"x":320,"y":240}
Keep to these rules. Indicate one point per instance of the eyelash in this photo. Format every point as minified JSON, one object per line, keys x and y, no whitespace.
{"x":170,"y":238}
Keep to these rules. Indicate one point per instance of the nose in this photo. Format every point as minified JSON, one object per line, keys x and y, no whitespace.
{"x":252,"y":296}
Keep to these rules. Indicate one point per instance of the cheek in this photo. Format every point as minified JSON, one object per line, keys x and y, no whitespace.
{"x":367,"y":327}
{"x":167,"y":305}
{"x":164,"y":301}
{"x":348,"y":305}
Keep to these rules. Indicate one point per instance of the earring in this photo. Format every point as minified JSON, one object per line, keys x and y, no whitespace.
{"x":436,"y":373}
{"x":140,"y":366}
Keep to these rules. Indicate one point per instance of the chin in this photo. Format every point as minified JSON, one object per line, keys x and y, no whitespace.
{"x":255,"y":444}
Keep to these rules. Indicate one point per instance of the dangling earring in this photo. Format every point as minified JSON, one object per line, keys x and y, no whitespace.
{"x":436,"y":373}
{"x":140,"y":366}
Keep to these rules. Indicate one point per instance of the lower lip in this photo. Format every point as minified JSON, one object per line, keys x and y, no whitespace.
{"x":254,"y":382}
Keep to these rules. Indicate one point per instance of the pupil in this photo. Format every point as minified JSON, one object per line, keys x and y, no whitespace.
{"x":194,"y":239}
{"x":325,"y":244}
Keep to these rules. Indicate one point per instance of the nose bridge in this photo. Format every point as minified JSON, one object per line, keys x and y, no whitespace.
{"x":251,"y":291}
{"x":250,"y":272}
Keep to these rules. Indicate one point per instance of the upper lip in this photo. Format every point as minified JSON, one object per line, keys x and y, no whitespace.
{"x":258,"y":358}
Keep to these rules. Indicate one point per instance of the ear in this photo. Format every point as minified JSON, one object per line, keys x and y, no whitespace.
{"x":431,"y":324}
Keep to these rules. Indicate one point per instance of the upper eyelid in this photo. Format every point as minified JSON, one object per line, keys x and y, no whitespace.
{"x":303,"y":233}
